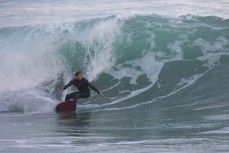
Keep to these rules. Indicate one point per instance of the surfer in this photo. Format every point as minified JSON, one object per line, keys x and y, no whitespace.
{"x":82,"y":85}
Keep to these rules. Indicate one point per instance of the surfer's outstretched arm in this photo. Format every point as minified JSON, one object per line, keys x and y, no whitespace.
{"x":95,"y":89}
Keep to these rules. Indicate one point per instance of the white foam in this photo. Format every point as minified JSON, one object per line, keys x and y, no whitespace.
{"x":184,"y":83}
{"x":212,"y":51}
{"x":175,"y":48}
{"x":221,"y":131}
{"x":27,"y":101}
{"x":99,"y":43}
{"x":148,"y":65}
{"x":28,"y":63}
{"x":221,"y":117}
{"x":70,"y":10}
{"x":111,"y":87}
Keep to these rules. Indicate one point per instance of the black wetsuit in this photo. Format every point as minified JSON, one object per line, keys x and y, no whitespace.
{"x":83,"y":90}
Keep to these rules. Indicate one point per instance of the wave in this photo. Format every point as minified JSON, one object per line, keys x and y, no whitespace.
{"x":137,"y":60}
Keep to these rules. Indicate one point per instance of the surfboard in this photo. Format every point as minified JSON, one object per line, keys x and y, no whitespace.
{"x":67,"y":106}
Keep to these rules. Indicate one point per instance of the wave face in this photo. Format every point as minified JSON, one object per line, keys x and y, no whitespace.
{"x":137,"y":60}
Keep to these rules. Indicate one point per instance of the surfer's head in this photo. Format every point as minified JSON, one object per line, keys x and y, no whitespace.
{"x":78,"y":75}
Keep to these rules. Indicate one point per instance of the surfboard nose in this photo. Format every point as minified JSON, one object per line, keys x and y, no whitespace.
{"x":68,"y":106}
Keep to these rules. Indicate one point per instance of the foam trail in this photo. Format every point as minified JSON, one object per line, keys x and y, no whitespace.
{"x":183,"y":84}
{"x":30,"y":101}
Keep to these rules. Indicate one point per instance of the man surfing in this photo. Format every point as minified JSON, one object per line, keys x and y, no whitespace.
{"x":82,"y":85}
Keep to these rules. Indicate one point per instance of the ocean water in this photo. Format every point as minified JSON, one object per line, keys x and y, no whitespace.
{"x":163,"y":66}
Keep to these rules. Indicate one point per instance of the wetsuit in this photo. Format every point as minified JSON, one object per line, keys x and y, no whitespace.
{"x":83,"y":90}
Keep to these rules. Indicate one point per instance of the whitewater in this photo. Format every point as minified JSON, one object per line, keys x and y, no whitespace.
{"x":163,"y":66}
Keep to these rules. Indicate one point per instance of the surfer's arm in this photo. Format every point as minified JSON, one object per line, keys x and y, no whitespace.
{"x":95,"y":89}
{"x":66,"y":86}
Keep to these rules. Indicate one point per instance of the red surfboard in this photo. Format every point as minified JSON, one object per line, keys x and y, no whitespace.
{"x":67,"y":106}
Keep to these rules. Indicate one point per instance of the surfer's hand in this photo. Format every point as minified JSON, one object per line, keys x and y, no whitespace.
{"x":61,"y":89}
{"x":101,"y":94}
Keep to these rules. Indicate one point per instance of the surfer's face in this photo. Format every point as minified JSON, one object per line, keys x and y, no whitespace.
{"x":79,"y":77}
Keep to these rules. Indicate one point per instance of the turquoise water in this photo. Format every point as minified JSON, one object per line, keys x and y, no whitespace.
{"x":164,"y":73}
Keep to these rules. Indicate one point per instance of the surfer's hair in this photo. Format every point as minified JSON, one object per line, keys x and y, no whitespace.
{"x":78,"y":73}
